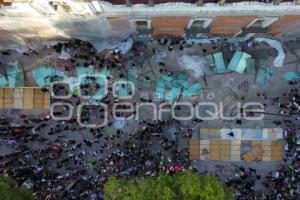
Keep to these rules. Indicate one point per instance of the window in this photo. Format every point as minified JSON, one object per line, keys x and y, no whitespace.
{"x":143,"y":27}
{"x":53,"y":5}
{"x":199,"y":23}
{"x":258,"y":23}
{"x":262,"y":22}
{"x":65,"y":7}
{"x":96,"y":7}
{"x":256,"y":26}
{"x":142,"y":24}
{"x":60,"y":6}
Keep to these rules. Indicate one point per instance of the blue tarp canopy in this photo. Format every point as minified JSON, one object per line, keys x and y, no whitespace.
{"x":264,"y":74}
{"x":83,"y":71}
{"x":250,"y":66}
{"x":219,"y":61}
{"x":291,"y":76}
{"x":3,"y":81}
{"x":43,"y":74}
{"x":238,"y":62}
{"x":175,"y":86}
{"x":133,"y":76}
{"x":101,"y":81}
{"x":14,"y":76}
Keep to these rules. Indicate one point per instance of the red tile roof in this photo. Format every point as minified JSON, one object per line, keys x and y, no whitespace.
{"x":5,"y":2}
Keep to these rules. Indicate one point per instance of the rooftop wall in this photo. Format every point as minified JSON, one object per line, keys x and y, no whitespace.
{"x":30,"y":24}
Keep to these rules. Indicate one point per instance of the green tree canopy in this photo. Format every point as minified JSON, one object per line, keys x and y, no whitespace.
{"x":182,"y":186}
{"x":8,"y":191}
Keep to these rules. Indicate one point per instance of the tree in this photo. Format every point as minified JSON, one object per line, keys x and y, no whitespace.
{"x":155,"y":188}
{"x":181,"y":186}
{"x":211,"y":188}
{"x":188,"y":186}
{"x":137,"y":189}
{"x":8,"y":191}
{"x":193,"y":187}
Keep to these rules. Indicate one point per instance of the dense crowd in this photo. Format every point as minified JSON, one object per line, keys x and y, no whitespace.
{"x":57,"y":166}
{"x":283,"y":183}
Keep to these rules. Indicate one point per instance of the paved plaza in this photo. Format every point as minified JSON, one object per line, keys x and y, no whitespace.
{"x":181,"y":72}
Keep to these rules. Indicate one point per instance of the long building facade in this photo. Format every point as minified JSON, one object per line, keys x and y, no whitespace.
{"x":24,"y":22}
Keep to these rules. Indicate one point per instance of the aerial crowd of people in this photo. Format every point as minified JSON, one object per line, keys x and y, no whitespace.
{"x":49,"y":156}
